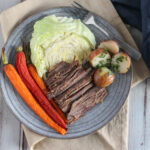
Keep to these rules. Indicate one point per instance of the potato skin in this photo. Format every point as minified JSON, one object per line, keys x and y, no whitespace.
{"x":103,"y":79}
{"x":111,"y":45}
{"x":96,"y":53}
{"x":124,"y":65}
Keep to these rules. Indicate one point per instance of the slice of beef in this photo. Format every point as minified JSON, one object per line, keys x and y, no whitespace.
{"x":56,"y":89}
{"x":57,"y":68}
{"x":54,"y":70}
{"x":75,"y":88}
{"x":61,"y":76}
{"x":92,"y":97}
{"x":65,"y":106}
{"x":75,"y":76}
{"x":60,"y":73}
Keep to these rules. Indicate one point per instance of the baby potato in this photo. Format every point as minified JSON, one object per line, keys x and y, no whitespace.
{"x":103,"y":77}
{"x":99,"y":58}
{"x":121,"y":62}
{"x":111,"y":45}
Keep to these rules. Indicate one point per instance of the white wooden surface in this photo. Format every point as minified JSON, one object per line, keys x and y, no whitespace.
{"x":12,"y":136}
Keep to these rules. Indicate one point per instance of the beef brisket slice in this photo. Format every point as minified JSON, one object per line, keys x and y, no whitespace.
{"x":76,"y":75}
{"x":57,"y":68}
{"x":65,"y":106}
{"x":75,"y":88}
{"x":59,"y":73}
{"x":85,"y":103}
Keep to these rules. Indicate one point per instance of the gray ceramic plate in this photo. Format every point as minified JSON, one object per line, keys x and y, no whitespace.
{"x":96,"y":118}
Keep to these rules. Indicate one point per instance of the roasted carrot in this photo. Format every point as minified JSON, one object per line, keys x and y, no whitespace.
{"x":17,"y":82}
{"x":61,"y":113}
{"x":35,"y":90}
{"x":41,"y":84}
{"x":37,"y":78}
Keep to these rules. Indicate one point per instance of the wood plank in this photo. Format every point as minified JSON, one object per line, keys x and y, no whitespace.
{"x":136,"y":118}
{"x":0,"y":116}
{"x":10,"y":130}
{"x":146,"y":143}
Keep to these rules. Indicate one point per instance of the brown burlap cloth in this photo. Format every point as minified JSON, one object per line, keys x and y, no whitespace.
{"x":113,"y":136}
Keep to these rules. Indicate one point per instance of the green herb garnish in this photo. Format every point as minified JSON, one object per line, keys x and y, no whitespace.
{"x":120,"y":59}
{"x":115,"y":67}
{"x":97,"y":66}
{"x":101,"y":62}
{"x":109,"y":60}
{"x":105,"y":50}
{"x":102,"y":55}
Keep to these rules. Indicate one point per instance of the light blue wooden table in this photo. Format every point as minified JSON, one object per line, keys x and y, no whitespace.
{"x":13,"y":138}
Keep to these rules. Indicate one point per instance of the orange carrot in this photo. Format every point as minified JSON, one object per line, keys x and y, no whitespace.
{"x":37,"y":78}
{"x":17,"y":82}
{"x":61,"y":113}
{"x":41,"y":84}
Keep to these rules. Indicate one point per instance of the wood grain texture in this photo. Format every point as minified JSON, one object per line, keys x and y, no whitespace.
{"x":146,"y":142}
{"x":0,"y":116}
{"x":136,"y":117}
{"x":139,"y":117}
{"x":10,"y":130}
